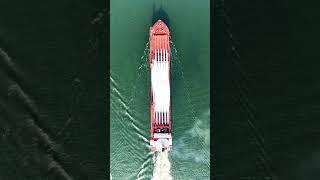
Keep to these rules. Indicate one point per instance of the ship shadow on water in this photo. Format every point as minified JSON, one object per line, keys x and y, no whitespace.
{"x":160,"y":13}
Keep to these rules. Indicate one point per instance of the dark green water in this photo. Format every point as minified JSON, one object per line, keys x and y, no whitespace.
{"x":130,"y":85}
{"x":53,"y":68}
{"x":266,"y":90}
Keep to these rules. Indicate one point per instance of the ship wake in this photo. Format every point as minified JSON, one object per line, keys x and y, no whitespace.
{"x":162,"y":166}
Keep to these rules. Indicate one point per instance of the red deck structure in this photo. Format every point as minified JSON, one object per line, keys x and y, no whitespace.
{"x":160,"y":112}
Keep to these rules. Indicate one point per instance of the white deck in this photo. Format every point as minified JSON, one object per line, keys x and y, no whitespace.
{"x":161,"y":86}
{"x":162,"y":135}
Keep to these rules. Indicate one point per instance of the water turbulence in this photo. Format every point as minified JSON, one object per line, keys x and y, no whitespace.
{"x":162,"y":166}
{"x":160,"y":104}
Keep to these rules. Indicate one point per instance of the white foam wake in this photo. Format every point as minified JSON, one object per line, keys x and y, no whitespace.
{"x":162,"y":167}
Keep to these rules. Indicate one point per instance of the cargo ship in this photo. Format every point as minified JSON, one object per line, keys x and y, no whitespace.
{"x":160,"y":112}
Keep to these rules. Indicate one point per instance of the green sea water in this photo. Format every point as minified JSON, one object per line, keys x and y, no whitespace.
{"x":189,"y":24}
{"x":53,"y":67}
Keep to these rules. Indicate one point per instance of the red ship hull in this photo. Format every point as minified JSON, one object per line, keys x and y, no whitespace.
{"x":160,"y":110}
